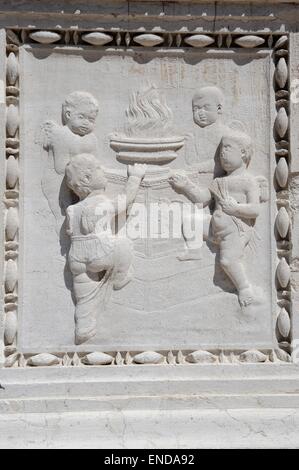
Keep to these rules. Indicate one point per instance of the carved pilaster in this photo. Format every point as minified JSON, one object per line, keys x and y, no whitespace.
{"x":11,"y":198}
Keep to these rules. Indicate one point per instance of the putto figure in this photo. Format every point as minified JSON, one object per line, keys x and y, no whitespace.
{"x":97,"y":257}
{"x":207,"y":106}
{"x":237,"y":197}
{"x":79,"y":112}
{"x":202,"y":145}
{"x":62,"y":142}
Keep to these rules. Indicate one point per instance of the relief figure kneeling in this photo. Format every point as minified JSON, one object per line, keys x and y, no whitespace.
{"x":97,"y":257}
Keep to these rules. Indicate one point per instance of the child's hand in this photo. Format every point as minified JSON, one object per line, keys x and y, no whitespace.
{"x":178,"y":180}
{"x":229,"y":206}
{"x":138,"y":170}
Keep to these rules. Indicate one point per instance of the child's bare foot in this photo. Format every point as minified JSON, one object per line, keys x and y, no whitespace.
{"x":191,"y":254}
{"x":83,"y":337}
{"x":246,"y":296}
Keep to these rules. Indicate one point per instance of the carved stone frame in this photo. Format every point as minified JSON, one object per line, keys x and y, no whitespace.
{"x":277,"y":44}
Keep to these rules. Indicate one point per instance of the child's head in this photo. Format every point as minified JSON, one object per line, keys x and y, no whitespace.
{"x":236,"y":150}
{"x":84,"y":175}
{"x":79,"y":112}
{"x":207,"y":105}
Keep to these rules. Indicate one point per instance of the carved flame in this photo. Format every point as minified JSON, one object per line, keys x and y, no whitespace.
{"x":148,"y":113}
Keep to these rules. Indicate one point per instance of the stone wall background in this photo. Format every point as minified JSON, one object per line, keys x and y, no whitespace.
{"x":232,"y":407}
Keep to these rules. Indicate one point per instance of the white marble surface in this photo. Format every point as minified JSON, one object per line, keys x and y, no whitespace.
{"x":183,"y":407}
{"x":208,"y":405}
{"x":208,"y":429}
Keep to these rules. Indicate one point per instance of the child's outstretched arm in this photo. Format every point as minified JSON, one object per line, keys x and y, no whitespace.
{"x":184,"y":185}
{"x":136,"y":174}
